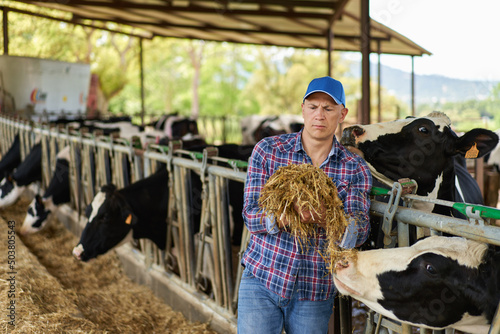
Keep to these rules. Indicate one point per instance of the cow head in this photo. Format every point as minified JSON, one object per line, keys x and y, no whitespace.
{"x":57,"y":193}
{"x":9,"y":191}
{"x":183,"y":127}
{"x":438,"y":282}
{"x":417,"y":148}
{"x":37,"y":215}
{"x":110,"y":219}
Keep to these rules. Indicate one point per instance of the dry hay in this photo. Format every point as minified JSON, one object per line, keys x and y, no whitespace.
{"x":312,"y":190}
{"x":58,"y":294}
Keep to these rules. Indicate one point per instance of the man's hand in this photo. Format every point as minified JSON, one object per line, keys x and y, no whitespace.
{"x":306,"y":216}
{"x":312,"y":216}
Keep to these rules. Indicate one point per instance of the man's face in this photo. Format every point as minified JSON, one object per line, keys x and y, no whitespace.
{"x":321,"y":116}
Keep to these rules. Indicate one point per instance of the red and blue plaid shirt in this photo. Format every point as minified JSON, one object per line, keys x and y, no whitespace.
{"x":273,"y":255}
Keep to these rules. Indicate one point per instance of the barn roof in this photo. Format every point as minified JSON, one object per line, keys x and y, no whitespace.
{"x":289,"y":23}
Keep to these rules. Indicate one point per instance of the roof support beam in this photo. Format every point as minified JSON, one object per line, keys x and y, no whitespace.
{"x":74,"y":21}
{"x":141,"y":65}
{"x":193,"y":9}
{"x":263,"y":30}
{"x":339,"y":9}
{"x":413,"y":109}
{"x":284,"y":3}
{"x":379,"y":85}
{"x":5,"y":15}
{"x":329,"y":50}
{"x":365,"y":63}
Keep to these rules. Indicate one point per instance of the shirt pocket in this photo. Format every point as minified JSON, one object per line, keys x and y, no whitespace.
{"x":342,"y":188}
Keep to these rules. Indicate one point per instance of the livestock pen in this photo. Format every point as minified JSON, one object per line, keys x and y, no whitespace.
{"x":179,"y":273}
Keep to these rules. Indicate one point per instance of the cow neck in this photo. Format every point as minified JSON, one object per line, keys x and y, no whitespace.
{"x":155,"y":186}
{"x":424,"y":206}
{"x":379,"y":176}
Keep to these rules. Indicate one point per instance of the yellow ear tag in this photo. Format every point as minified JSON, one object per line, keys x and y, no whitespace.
{"x":472,"y":153}
{"x":129,"y":219}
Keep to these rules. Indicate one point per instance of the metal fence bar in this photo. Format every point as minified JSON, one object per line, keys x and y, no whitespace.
{"x":459,"y":227}
{"x":214,"y":216}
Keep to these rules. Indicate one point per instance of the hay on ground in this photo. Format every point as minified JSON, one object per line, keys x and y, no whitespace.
{"x":58,"y":294}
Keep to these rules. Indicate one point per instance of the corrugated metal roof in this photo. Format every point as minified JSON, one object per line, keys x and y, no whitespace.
{"x":291,"y":23}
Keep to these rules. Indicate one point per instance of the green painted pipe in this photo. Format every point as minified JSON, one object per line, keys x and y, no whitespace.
{"x":484,"y":211}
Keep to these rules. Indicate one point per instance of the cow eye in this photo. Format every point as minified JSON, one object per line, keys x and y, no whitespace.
{"x":423,"y":129}
{"x":430,"y":269}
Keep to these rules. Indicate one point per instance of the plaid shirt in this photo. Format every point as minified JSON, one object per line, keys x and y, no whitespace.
{"x":273,"y":255}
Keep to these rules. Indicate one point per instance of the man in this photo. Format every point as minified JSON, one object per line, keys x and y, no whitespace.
{"x":285,"y":286}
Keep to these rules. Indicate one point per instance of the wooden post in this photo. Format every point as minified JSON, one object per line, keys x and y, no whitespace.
{"x":5,"y":31}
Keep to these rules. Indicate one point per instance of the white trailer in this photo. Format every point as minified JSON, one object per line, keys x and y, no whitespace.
{"x":37,"y":86}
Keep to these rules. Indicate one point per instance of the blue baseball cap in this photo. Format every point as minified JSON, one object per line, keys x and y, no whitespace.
{"x":327,"y":85}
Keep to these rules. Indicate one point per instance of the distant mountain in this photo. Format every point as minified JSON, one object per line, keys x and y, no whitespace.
{"x":428,"y":88}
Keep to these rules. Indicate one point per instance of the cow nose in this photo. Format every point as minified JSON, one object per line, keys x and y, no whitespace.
{"x":24,"y":230}
{"x":78,"y":251}
{"x":342,"y":264}
{"x":350,"y":134}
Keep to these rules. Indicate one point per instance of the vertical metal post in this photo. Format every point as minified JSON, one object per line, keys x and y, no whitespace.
{"x":329,"y":40}
{"x":379,"y":86}
{"x":345,"y":306}
{"x":495,"y":324}
{"x":141,"y":63}
{"x":365,"y":63}
{"x":406,"y":329}
{"x":5,"y":31}
{"x":412,"y":85}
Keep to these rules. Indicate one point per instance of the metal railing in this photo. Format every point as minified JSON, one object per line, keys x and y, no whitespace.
{"x":478,"y":226}
{"x":96,"y":161}
{"x":99,"y":160}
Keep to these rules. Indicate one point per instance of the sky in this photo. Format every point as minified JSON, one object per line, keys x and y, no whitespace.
{"x":462,"y":35}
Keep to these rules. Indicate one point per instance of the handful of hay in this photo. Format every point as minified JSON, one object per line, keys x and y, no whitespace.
{"x":311,"y":190}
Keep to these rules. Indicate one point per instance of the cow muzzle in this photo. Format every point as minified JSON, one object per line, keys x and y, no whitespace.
{"x":78,"y":251}
{"x":344,"y":268}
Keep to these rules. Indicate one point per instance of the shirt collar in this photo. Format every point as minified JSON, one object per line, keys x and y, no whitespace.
{"x":298,"y":145}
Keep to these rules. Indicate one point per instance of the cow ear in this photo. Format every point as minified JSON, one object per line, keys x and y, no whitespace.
{"x":476,"y":143}
{"x":108,"y":189}
{"x":131,"y":219}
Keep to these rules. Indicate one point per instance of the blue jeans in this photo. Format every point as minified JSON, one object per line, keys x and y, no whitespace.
{"x":261,"y":311}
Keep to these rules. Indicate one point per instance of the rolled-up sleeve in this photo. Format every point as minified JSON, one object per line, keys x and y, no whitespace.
{"x":257,"y":176}
{"x":357,"y":206}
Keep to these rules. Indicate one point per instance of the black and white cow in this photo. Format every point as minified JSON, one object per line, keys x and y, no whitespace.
{"x":176,"y":127}
{"x":11,"y":159}
{"x":124,"y":129}
{"x":438,"y":282}
{"x":140,"y":208}
{"x":424,"y":149}
{"x":56,"y":194}
{"x":256,"y":127}
{"x":493,"y":158}
{"x":234,"y":191}
{"x":28,"y":172}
